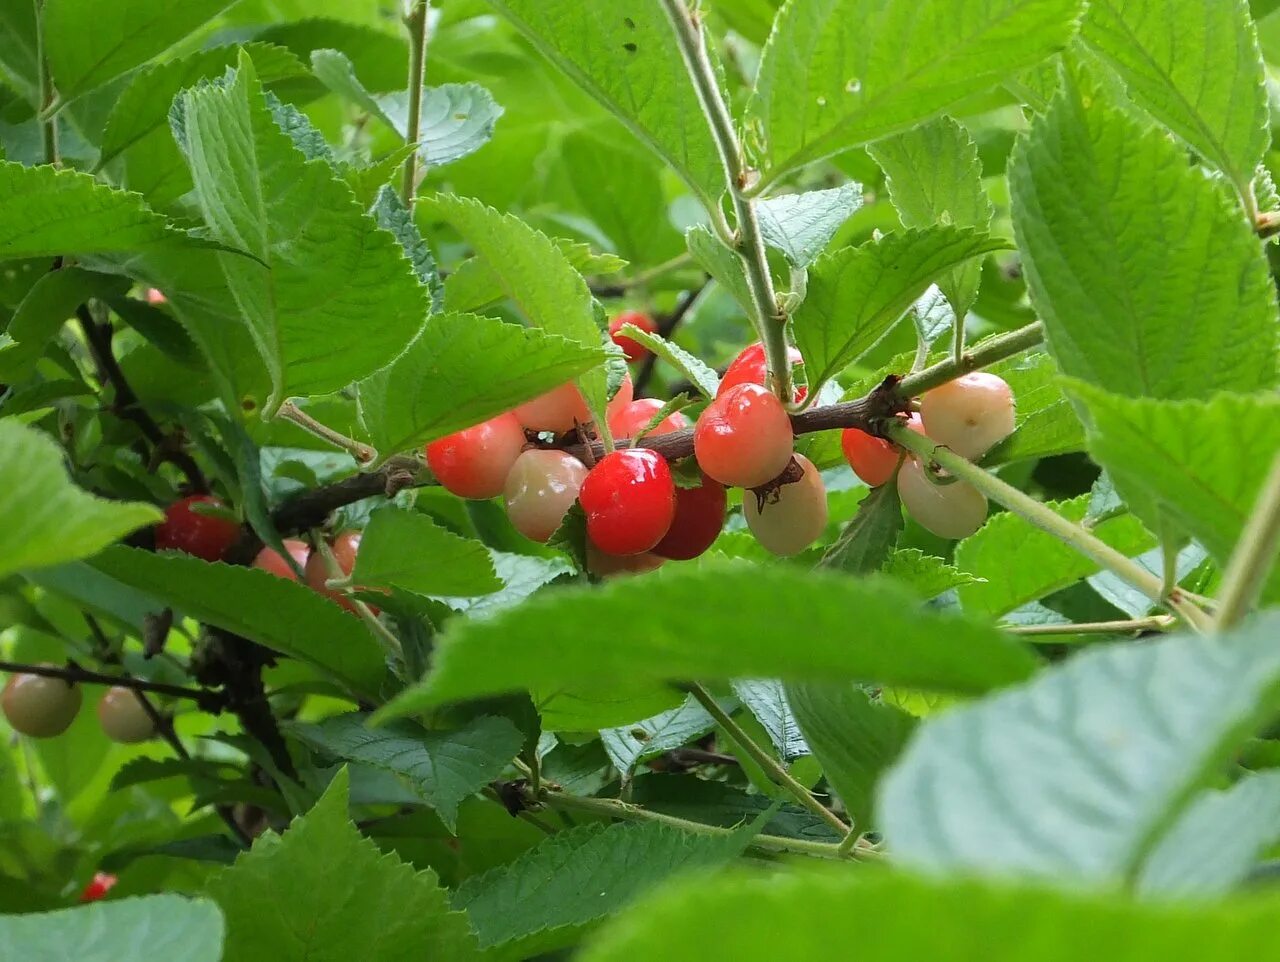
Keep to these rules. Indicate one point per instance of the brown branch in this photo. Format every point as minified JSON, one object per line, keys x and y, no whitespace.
{"x":209,"y":701}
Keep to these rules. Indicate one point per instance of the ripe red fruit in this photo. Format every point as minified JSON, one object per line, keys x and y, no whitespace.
{"x":630,"y":500}
{"x":699,"y":518}
{"x":122,"y":717}
{"x":743,"y":437}
{"x":796,"y":519}
{"x":629,"y":421}
{"x":345,"y":547}
{"x":203,"y":535}
{"x":98,"y":886}
{"x":873,"y":459}
{"x":271,"y":561}
{"x":632,"y":348}
{"x":474,"y":463}
{"x":953,"y":511}
{"x":558,"y":410}
{"x":541,"y":488}
{"x":969,"y":415}
{"x":38,"y":706}
{"x":752,"y":367}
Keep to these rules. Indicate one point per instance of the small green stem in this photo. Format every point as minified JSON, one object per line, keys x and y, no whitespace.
{"x":361,"y":452}
{"x":957,"y":339}
{"x":415,"y":22}
{"x":48,"y":96}
{"x":1153,"y":623}
{"x":849,"y":843}
{"x":1254,"y":555}
{"x":390,"y":642}
{"x":988,"y":352}
{"x":771,"y":766}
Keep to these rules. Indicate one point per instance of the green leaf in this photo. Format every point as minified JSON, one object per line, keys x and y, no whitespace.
{"x":323,"y":268}
{"x":462,"y":369}
{"x":926,"y":576}
{"x":855,"y":737}
{"x":282,"y":615}
{"x":767,"y":701}
{"x":49,"y":212}
{"x":934,"y":176}
{"x":836,"y":74}
{"x":724,"y":266}
{"x":47,"y":519}
{"x":631,"y":64}
{"x":1021,"y":563}
{"x":444,"y":767}
{"x":171,"y":927}
{"x":1197,"y":70}
{"x":705,"y":623}
{"x":802,"y":225}
{"x":1074,"y":776}
{"x":407,"y":550}
{"x":474,"y":284}
{"x":868,"y":539}
{"x":88,"y":44}
{"x":456,"y":120}
{"x":1212,"y":458}
{"x":52,"y":300}
{"x":692,"y":368}
{"x":628,"y":744}
{"x":800,"y":917}
{"x":379,"y":55}
{"x":334,"y":895}
{"x":334,"y":69}
{"x":857,"y":294}
{"x":1090,"y":189}
{"x":1217,"y":841}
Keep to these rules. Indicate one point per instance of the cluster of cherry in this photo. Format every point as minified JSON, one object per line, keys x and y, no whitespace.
{"x":44,"y":707}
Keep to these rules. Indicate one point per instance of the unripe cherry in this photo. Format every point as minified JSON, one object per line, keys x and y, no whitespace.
{"x":474,"y":463}
{"x":752,"y":367}
{"x":203,"y":535}
{"x":632,"y":348}
{"x":969,"y":415}
{"x":558,"y":410}
{"x":629,"y":421}
{"x":605,"y":565}
{"x":271,"y":561}
{"x":743,"y":438}
{"x":699,"y":518}
{"x":796,"y":519}
{"x":541,"y":488}
{"x":953,"y":511}
{"x":630,"y":500}
{"x":344,"y":547}
{"x":156,"y":296}
{"x":122,"y":717}
{"x":38,"y":706}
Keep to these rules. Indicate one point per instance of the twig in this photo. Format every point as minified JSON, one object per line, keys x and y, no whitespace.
{"x":390,"y":642}
{"x":666,"y":327}
{"x":209,"y":701}
{"x":358,"y":450}
{"x":415,"y":22}
{"x":1254,"y":555}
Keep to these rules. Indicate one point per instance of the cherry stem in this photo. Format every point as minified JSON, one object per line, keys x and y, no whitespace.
{"x":72,"y":673}
{"x":340,"y":580}
{"x":1254,"y":555}
{"x":1152,"y":623}
{"x":361,"y":452}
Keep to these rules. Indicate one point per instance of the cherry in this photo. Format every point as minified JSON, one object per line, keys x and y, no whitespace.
{"x":38,"y":706}
{"x":270,"y":560}
{"x":474,"y":463}
{"x":699,"y":518}
{"x":630,"y":420}
{"x":953,"y":511}
{"x":605,"y":565}
{"x":969,"y":415}
{"x":203,"y":535}
{"x":796,"y":519}
{"x":156,"y":296}
{"x":743,"y":437}
{"x":873,"y":459}
{"x":558,"y":410}
{"x":632,"y":348}
{"x":122,"y":717}
{"x":630,"y":500}
{"x":541,"y":488}
{"x":98,"y":886}
{"x":626,"y":393}
{"x":752,"y":367}
{"x":345,"y":547}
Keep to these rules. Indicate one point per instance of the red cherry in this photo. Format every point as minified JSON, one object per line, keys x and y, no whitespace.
{"x":630,"y":500}
{"x":98,"y":887}
{"x":794,"y":517}
{"x":743,"y":437}
{"x":557,"y":410}
{"x":752,"y":367}
{"x":474,"y":463}
{"x":632,"y":348}
{"x":345,"y":547}
{"x":202,"y":535}
{"x":699,"y":518}
{"x":541,"y":488}
{"x":632,"y":419}
{"x":270,"y":560}
{"x":873,"y":459}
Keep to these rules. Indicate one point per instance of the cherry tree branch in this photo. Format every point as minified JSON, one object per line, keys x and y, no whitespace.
{"x":72,"y":673}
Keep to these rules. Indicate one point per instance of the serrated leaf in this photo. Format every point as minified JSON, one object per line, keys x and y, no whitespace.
{"x":724,"y":266}
{"x":322,"y":265}
{"x":379,"y":55}
{"x":767,"y":701}
{"x":407,"y":550}
{"x":1090,"y":188}
{"x":1196,"y":69}
{"x":282,"y":615}
{"x":462,"y":369}
{"x":474,"y":284}
{"x":628,"y":744}
{"x":34,"y":326}
{"x":158,"y":327}
{"x":857,"y":294}
{"x":1074,"y":776}
{"x":456,"y":120}
{"x":444,"y":767}
{"x":391,"y":213}
{"x":1114,"y":589}
{"x":692,"y":368}
{"x":932,"y":315}
{"x":167,"y":926}
{"x":855,"y":737}
{"x":329,"y":889}
{"x":705,"y":623}
{"x":926,"y":576}
{"x":47,"y":519}
{"x":802,"y":225}
{"x":836,"y":74}
{"x":868,"y":539}
{"x":334,"y":69}
{"x":715,"y":803}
